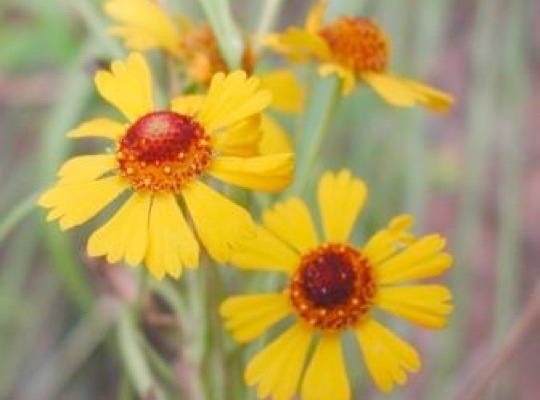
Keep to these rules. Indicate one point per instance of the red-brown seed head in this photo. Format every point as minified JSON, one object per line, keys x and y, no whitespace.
{"x":333,"y":287}
{"x":163,"y":150}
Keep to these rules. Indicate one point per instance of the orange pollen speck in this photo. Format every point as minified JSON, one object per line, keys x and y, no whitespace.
{"x":357,"y":43}
{"x":163,"y":151}
{"x":333,"y":288}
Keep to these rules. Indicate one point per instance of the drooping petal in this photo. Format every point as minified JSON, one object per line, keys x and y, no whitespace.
{"x":388,"y":358}
{"x":291,"y":221}
{"x":125,"y":235}
{"x":99,"y":127}
{"x":86,"y":168}
{"x":265,"y":251}
{"x":403,"y":93}
{"x":436,"y":100}
{"x":269,"y":173}
{"x":276,"y":369}
{"x":232,"y":98}
{"x":422,"y":253}
{"x":274,"y":139}
{"x":287,"y":95}
{"x":171,"y":244}
{"x":348,"y":80}
{"x":221,"y":224}
{"x":248,"y":317}
{"x":143,"y":25}
{"x":425,"y":305}
{"x":128,"y":86}
{"x":315,"y":16}
{"x":188,"y":105}
{"x":75,"y":203}
{"x":326,"y":376}
{"x":241,"y":139}
{"x":341,"y":199}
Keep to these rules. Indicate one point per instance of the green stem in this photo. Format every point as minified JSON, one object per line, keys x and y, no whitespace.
{"x":269,"y":12}
{"x":16,"y":215}
{"x":97,"y":26}
{"x":322,"y":106}
{"x":229,"y":37}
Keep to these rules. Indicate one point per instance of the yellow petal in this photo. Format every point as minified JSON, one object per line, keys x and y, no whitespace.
{"x":265,"y":251}
{"x":298,"y":44}
{"x":269,"y":173}
{"x":315,"y":16}
{"x":326,"y":376}
{"x":276,"y":369}
{"x":388,"y":357}
{"x":348,"y":80}
{"x":128,"y":86}
{"x":125,"y":235}
{"x":436,"y":100}
{"x":99,"y":127}
{"x":221,"y":224}
{"x":75,"y":203}
{"x":403,"y":93}
{"x":291,"y":221}
{"x":287,"y":95}
{"x":248,"y":317}
{"x":143,"y":25}
{"x":274,"y":137}
{"x":241,"y":139}
{"x":390,"y":240}
{"x":171,"y":244}
{"x":341,"y":199}
{"x":188,"y":105}
{"x":421,"y":254}
{"x":232,"y":98}
{"x":425,"y":305}
{"x":86,"y":168}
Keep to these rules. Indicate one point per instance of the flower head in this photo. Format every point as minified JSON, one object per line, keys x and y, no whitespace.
{"x":144,"y":25}
{"x":159,"y":158}
{"x":334,"y":286}
{"x":355,"y":49}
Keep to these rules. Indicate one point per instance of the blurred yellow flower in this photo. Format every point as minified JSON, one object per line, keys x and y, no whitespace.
{"x":144,"y":25}
{"x":333,"y":287}
{"x":158,"y":160}
{"x":354,"y":48}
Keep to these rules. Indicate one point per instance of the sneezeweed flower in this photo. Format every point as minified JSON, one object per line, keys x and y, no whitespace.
{"x":144,"y":25}
{"x":333,"y":287}
{"x":159,"y":158}
{"x":355,"y":49}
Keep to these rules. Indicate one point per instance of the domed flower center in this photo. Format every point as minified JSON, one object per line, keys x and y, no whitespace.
{"x":334,"y":287}
{"x":163,"y":151}
{"x":357,"y":43}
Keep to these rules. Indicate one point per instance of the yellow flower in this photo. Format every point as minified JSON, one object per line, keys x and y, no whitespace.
{"x":354,"y":48}
{"x":333,"y":286}
{"x":159,"y":157}
{"x":143,"y":25}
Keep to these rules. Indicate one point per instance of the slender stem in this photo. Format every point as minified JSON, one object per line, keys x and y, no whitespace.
{"x":315,"y":127}
{"x":526,"y":324}
{"x":16,"y":215}
{"x":269,"y":12}
{"x":229,"y":37}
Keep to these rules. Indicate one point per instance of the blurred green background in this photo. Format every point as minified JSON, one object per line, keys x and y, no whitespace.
{"x":473,"y":175}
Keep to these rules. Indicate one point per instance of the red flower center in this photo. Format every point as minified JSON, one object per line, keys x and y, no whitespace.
{"x":333,"y":287}
{"x":163,"y":150}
